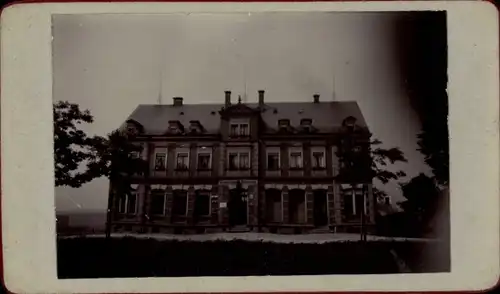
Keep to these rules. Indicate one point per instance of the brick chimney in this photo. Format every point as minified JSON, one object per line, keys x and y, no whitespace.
{"x":261,"y":97}
{"x":316,"y":98}
{"x":177,"y":101}
{"x":227,"y":98}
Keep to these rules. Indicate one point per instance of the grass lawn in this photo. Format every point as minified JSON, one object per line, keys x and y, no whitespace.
{"x":132,"y":257}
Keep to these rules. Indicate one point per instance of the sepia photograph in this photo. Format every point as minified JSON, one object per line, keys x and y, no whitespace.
{"x":250,"y":147}
{"x":250,"y":144}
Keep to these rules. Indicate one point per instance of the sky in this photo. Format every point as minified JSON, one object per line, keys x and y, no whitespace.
{"x":111,"y":63}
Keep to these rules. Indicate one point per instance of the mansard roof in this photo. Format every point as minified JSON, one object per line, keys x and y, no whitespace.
{"x":326,"y":116}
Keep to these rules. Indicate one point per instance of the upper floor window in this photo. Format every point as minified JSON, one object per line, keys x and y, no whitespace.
{"x":239,"y":130}
{"x":204,"y":161}
{"x":296,"y":159}
{"x":182,"y":161}
{"x":273,"y":160}
{"x":238,"y":161}
{"x":318,"y":159}
{"x":160,"y":161}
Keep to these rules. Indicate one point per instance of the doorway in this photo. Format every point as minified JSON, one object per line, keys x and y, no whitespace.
{"x":237,"y":206}
{"x":320,"y":208}
{"x":297,"y":206}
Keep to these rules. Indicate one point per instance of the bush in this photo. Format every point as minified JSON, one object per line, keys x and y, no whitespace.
{"x":130,"y":257}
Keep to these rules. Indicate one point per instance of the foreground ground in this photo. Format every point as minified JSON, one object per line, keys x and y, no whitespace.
{"x":245,"y":254}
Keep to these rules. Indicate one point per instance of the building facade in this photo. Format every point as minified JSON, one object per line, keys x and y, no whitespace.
{"x":244,"y":166}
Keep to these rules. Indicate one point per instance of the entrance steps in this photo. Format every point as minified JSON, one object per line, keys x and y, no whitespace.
{"x":321,"y":230}
{"x":239,"y":229}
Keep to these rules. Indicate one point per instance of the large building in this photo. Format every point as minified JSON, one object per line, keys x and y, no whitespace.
{"x":239,"y":166}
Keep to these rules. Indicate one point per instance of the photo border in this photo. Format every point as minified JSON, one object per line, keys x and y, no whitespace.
{"x":473,"y":84}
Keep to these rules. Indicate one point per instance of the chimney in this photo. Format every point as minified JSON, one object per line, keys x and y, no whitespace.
{"x":261,"y":97}
{"x":316,"y":98}
{"x":228,"y":98}
{"x":177,"y":101}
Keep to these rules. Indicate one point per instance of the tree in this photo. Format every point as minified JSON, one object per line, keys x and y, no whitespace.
{"x":363,"y":160}
{"x":79,"y":158}
{"x":71,"y":144}
{"x":433,"y":143}
{"x":422,"y":195}
{"x":117,"y":158}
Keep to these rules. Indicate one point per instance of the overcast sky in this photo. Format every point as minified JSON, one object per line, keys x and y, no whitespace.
{"x":111,"y":63}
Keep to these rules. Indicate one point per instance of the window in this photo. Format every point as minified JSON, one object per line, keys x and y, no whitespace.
{"x":122,"y":204}
{"x":157,"y":202}
{"x":240,"y":130}
{"x":202,"y":203}
{"x":195,"y":127}
{"x":295,"y":160}
{"x":387,"y":200}
{"x":179,"y":206}
{"x":348,"y":203}
{"x":160,"y":161}
{"x":306,"y":124}
{"x":238,"y":160}
{"x":234,"y":130}
{"x":273,"y":161}
{"x":132,"y":204}
{"x":244,"y":130}
{"x":182,"y":161}
{"x":318,"y":159}
{"x":283,"y":123}
{"x":354,"y":202}
{"x":175,"y":127}
{"x":135,"y":154}
{"x":244,"y":161}
{"x":359,"y":203}
{"x":233,"y":161}
{"x":204,"y":161}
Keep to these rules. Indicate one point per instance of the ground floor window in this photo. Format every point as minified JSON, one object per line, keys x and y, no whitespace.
{"x":297,"y":206}
{"x":180,"y":198}
{"x":157,"y":202}
{"x":202,"y":203}
{"x":274,"y":207}
{"x":354,"y":202}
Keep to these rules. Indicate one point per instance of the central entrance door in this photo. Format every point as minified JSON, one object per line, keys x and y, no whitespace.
{"x":320,"y":208}
{"x":237,"y":206}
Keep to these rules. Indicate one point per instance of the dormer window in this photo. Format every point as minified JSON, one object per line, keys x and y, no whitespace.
{"x":239,"y":129}
{"x":306,"y":124}
{"x":284,"y":123}
{"x":195,"y":127}
{"x":175,"y":127}
{"x":133,"y":128}
{"x":350,"y":123}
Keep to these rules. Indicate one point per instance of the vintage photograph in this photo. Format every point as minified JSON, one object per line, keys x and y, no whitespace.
{"x":250,"y":144}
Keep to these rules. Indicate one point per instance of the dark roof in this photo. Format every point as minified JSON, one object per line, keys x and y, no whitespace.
{"x":326,"y":116}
